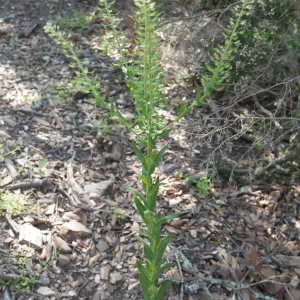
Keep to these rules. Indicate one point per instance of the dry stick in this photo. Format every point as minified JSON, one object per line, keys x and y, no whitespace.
{"x":199,"y":284}
{"x":267,"y":112}
{"x":49,"y":246}
{"x":11,"y":222}
{"x":26,"y":185}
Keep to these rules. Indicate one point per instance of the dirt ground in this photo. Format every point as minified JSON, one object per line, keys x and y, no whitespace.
{"x":238,"y":239}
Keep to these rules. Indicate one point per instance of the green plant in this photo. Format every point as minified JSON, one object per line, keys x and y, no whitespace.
{"x":16,"y":202}
{"x":115,"y":210}
{"x":25,"y":279}
{"x":40,"y":169}
{"x":13,"y":41}
{"x":45,"y":265}
{"x":59,"y":92}
{"x":106,"y":126}
{"x":203,"y":184}
{"x":143,"y":72}
{"x":267,"y":36}
{"x":79,"y":20}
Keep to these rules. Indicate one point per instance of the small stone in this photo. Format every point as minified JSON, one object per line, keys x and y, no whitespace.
{"x":28,"y":219}
{"x":116,"y":153}
{"x":45,"y":291}
{"x":127,"y":116}
{"x":4,"y":134}
{"x":55,"y":268}
{"x":102,"y":246}
{"x":70,"y":215}
{"x":74,"y":230}
{"x":8,"y":240}
{"x":72,"y":293}
{"x":114,"y":277}
{"x":59,"y":243}
{"x":100,"y":188}
{"x":95,"y":174}
{"x":39,"y":268}
{"x":50,"y":209}
{"x":30,"y":235}
{"x":97,"y":278}
{"x":45,"y":280}
{"x":11,"y":122}
{"x":63,"y":261}
{"x":97,"y":295}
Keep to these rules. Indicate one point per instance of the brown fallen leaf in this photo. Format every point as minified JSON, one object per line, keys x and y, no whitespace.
{"x":267,"y":272}
{"x":295,"y":293}
{"x":291,"y":261}
{"x":172,"y":229}
{"x":177,"y":223}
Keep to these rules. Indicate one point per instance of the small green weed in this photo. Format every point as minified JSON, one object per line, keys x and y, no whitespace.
{"x":203,"y":184}
{"x":16,"y":202}
{"x":41,"y":168}
{"x":78,"y":21}
{"x":115,"y":210}
{"x":13,"y":41}
{"x":25,"y":280}
{"x":3,"y":154}
{"x":107,"y":127}
{"x":51,"y":262}
{"x":59,"y":92}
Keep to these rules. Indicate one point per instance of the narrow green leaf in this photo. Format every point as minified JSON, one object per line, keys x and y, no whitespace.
{"x":164,"y":133}
{"x":144,"y":287}
{"x":139,"y":154}
{"x":158,"y":158}
{"x":160,"y":270}
{"x":152,"y":195}
{"x":146,"y":247}
{"x":141,"y":209}
{"x":164,"y":219}
{"x":42,"y":163}
{"x":122,"y":120}
{"x":152,"y":292}
{"x":146,"y":232}
{"x":163,"y":290}
{"x":161,"y":249}
{"x":143,"y":272}
{"x":182,"y":108}
{"x":199,"y":101}
{"x":136,"y":192}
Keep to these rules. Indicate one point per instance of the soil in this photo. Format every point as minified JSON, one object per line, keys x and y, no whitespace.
{"x":243,"y":231}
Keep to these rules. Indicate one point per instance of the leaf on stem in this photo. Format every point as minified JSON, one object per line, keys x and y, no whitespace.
{"x":142,"y":209}
{"x":163,"y":290}
{"x":148,"y":251}
{"x":160,"y":220}
{"x":139,"y":154}
{"x":153,"y":159}
{"x":161,"y":249}
{"x":137,"y":193}
{"x":152,"y":195}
